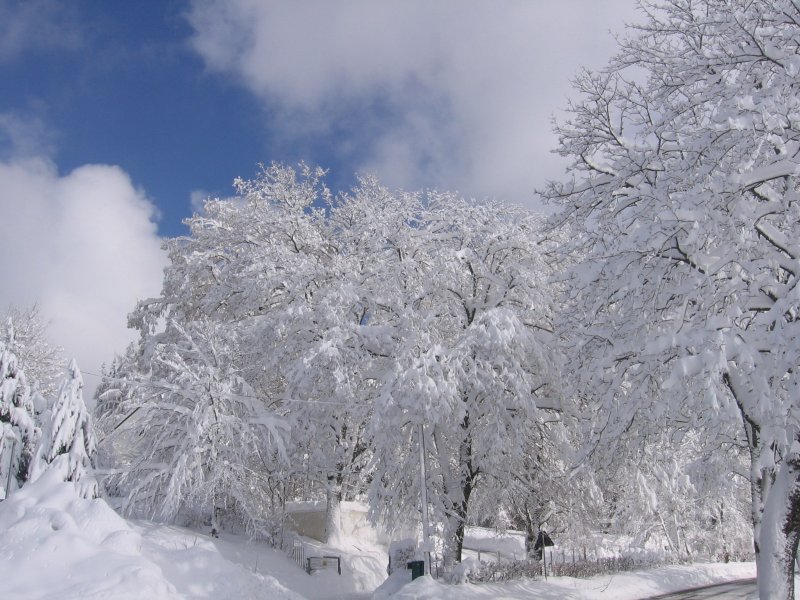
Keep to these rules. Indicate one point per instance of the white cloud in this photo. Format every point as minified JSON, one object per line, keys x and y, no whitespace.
{"x":33,"y":25}
{"x":197,"y":199}
{"x":23,"y":136}
{"x":84,"y":246}
{"x":454,"y":93}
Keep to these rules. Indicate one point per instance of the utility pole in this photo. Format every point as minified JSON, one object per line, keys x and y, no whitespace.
{"x":10,"y":469}
{"x":423,"y":492}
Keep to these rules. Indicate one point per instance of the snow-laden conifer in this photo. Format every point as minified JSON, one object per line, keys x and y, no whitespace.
{"x":68,"y":443}
{"x":18,"y":431}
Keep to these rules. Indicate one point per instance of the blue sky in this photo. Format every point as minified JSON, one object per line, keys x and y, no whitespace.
{"x":116,"y":115}
{"x":128,"y":90}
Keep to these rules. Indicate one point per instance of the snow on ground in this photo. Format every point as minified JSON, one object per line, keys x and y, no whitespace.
{"x":55,"y":545}
{"x":363,"y":566}
{"x":493,"y":544}
{"x":622,"y":586}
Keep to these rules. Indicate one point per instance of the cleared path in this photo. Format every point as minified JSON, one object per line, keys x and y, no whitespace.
{"x":734,"y":590}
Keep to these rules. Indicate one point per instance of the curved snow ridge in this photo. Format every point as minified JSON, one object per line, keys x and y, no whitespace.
{"x":56,"y":545}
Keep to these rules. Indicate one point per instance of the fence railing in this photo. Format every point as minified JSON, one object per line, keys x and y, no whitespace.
{"x":318,"y":563}
{"x":298,"y":553}
{"x":606,"y":566}
{"x":307,"y":557}
{"x":562,"y":564}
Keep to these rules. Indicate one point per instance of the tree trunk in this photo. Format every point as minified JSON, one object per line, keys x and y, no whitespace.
{"x":457,"y":519}
{"x":333,"y":517}
{"x":530,"y":538}
{"x":780,"y":531}
{"x":454,"y":540}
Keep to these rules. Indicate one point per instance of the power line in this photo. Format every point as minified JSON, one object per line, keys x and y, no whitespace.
{"x":172,"y":388}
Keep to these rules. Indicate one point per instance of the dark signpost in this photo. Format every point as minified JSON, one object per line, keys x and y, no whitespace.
{"x":542,"y":541}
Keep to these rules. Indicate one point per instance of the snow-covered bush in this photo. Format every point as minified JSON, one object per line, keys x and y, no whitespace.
{"x":486,"y":571}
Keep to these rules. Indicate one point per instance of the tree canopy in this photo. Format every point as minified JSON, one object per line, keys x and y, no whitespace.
{"x":346,"y":322}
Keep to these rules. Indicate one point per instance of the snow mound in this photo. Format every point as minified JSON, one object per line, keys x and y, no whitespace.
{"x":56,"y":545}
{"x":63,"y":546}
{"x":393,"y":584}
{"x":424,"y":588}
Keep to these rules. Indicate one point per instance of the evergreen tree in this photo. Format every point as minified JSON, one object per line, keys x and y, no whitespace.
{"x":18,"y":431}
{"x":68,"y":441}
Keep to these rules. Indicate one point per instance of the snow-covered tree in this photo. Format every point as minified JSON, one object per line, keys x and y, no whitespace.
{"x":542,"y":491}
{"x":264,"y":265}
{"x":19,"y":433}
{"x":44,"y":362}
{"x":39,"y":433}
{"x":68,"y":441}
{"x":470,"y":318}
{"x":347,"y":312}
{"x":670,"y":492}
{"x":199,"y":441}
{"x":684,"y":207}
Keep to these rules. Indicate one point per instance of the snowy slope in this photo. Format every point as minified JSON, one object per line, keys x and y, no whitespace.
{"x":56,"y":545}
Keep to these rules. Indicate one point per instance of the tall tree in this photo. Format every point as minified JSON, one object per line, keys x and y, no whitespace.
{"x":348,"y":313}
{"x":471,"y":357}
{"x":684,"y":207}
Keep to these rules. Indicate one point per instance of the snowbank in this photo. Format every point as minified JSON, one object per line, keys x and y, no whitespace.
{"x":56,"y":545}
{"x":505,"y":544}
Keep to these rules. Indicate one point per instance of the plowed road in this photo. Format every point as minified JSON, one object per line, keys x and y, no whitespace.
{"x":734,"y":590}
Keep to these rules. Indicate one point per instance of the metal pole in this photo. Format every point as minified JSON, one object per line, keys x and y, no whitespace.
{"x":10,"y":468}
{"x":424,"y":495}
{"x":544,"y":558}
